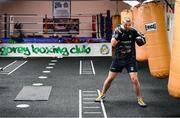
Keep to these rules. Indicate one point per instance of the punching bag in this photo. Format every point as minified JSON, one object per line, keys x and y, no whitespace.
{"x":108,"y":23}
{"x":98,"y":29}
{"x":46,"y":25}
{"x":141,"y":52}
{"x":102,"y":26}
{"x":126,"y":13}
{"x":116,"y":20}
{"x":174,"y":78}
{"x":157,"y":40}
{"x":94,"y":26}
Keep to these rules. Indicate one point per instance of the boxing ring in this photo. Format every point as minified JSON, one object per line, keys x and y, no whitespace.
{"x":26,"y":31}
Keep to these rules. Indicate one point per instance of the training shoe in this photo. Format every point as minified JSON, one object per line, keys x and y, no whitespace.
{"x":141,"y":102}
{"x":100,"y":97}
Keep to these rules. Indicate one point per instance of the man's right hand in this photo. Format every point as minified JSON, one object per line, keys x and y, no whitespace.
{"x":114,"y":42}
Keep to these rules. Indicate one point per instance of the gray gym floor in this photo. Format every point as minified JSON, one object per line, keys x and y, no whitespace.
{"x":67,"y":83}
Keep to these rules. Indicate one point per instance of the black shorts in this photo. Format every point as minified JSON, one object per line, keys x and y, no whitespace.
{"x":118,"y":65}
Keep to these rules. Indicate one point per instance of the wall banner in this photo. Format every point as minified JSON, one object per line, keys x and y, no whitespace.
{"x":55,"y":50}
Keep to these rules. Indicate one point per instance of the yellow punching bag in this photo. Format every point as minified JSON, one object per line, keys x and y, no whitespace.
{"x":174,"y":78}
{"x":126,"y":13}
{"x":116,"y":20}
{"x":141,"y":52}
{"x":157,"y":40}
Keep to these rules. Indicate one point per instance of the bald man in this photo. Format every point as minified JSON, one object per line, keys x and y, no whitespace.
{"x":123,"y":40}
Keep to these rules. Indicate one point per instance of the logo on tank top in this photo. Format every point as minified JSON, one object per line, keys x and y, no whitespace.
{"x":132,"y":68}
{"x":130,"y":36}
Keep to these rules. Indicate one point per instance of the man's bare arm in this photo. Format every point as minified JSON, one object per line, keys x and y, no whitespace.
{"x":114,"y":42}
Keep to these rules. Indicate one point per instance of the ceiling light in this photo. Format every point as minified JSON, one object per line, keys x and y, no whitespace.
{"x":131,"y":3}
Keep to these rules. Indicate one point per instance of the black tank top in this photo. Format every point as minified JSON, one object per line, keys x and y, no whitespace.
{"x":125,"y":49}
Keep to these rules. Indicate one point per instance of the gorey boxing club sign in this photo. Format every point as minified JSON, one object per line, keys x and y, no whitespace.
{"x":55,"y":50}
{"x":62,"y":8}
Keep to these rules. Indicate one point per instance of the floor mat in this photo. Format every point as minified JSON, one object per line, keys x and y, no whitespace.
{"x":12,"y":67}
{"x":34,"y":93}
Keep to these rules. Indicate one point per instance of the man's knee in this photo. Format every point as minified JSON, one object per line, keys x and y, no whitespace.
{"x":134,"y":78}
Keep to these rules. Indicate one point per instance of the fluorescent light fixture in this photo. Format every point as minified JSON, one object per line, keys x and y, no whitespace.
{"x":131,"y":3}
{"x":148,"y":1}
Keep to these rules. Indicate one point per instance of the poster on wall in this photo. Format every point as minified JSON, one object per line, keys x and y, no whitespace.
{"x":62,"y":8}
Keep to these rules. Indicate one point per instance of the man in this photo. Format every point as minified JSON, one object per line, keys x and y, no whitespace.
{"x":123,"y":40}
